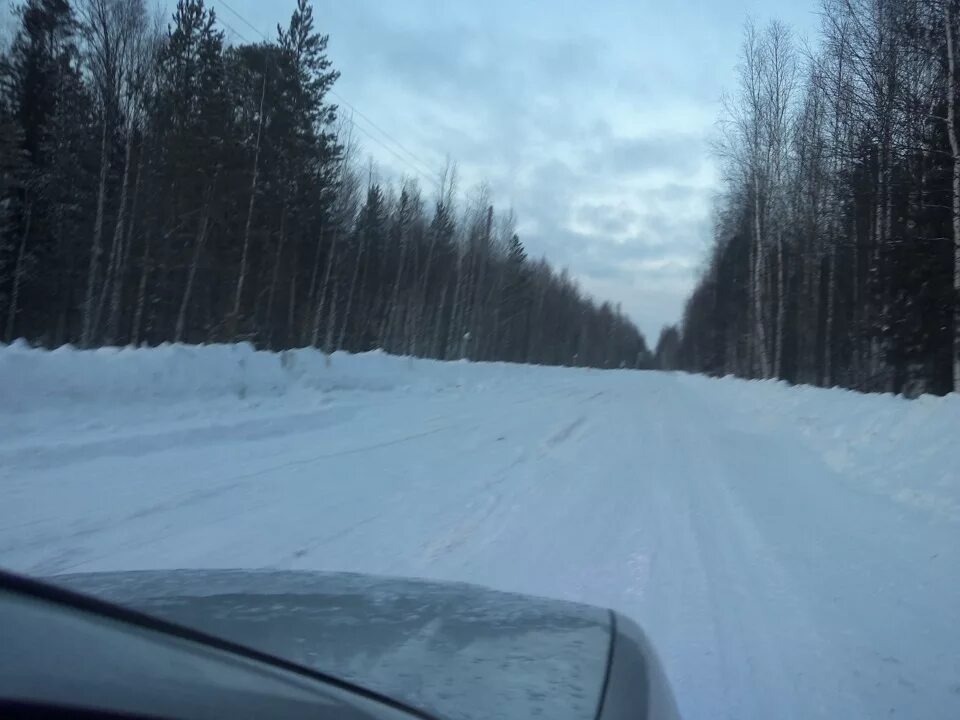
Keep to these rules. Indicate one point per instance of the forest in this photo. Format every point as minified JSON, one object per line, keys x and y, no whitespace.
{"x":160,"y":184}
{"x":836,"y":249}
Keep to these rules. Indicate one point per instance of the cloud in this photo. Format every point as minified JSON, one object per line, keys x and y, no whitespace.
{"x":622,"y":241}
{"x":675,"y":152}
{"x":612,"y":220}
{"x":674,"y":192}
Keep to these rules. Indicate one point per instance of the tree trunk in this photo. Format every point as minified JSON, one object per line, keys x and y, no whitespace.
{"x":96,"y":249}
{"x":290,"y":337}
{"x":365,"y":307}
{"x":855,"y":372}
{"x":394,"y":296}
{"x":439,"y":347}
{"x":118,"y":250}
{"x":331,"y":319}
{"x":758,"y":286}
{"x":840,"y":116}
{"x":536,"y":322}
{"x":194,"y":264}
{"x":831,"y":314}
{"x":242,"y":273}
{"x":781,"y":310}
{"x":873,"y":274}
{"x":353,"y":287}
{"x":321,"y":300}
{"x":275,"y":275}
{"x":422,"y":340}
{"x":414,"y":319}
{"x":18,"y":272}
{"x":306,"y":334}
{"x":141,"y":291}
{"x":812,"y":355}
{"x":455,"y":331}
{"x":65,"y":289}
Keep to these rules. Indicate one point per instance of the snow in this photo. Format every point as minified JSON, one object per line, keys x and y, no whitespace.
{"x":792,"y":552}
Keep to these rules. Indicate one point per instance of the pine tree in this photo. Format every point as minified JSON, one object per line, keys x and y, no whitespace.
{"x":170,"y":188}
{"x":192,"y":121}
{"x":45,"y":107}
{"x":515,"y":300}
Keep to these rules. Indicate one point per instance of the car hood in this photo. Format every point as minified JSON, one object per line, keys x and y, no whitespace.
{"x":448,"y":649}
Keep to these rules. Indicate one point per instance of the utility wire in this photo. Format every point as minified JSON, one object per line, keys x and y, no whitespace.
{"x":411,"y":161}
{"x":229,"y":27}
{"x":383,"y":132}
{"x":337,"y":95}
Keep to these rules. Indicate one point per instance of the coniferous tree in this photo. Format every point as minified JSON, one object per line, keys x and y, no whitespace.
{"x":162,"y":186}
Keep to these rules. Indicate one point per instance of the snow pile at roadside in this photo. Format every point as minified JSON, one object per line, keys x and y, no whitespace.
{"x":33,"y":379}
{"x":36,"y":378}
{"x":908,"y":450}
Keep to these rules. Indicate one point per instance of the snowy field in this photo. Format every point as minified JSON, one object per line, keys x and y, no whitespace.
{"x":793,"y":552}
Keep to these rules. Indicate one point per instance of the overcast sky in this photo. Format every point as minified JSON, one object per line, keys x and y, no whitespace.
{"x":590,"y":119}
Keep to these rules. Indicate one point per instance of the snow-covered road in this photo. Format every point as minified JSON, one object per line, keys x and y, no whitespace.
{"x":794,"y":553}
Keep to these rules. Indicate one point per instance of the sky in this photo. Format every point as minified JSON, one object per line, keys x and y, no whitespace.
{"x":591,"y":120}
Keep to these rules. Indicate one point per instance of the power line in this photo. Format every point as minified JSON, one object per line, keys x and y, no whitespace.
{"x":230,"y":28}
{"x":411,"y":161}
{"x":243,"y":20}
{"x":425,"y":175}
{"x":333,"y":92}
{"x":380,"y":130}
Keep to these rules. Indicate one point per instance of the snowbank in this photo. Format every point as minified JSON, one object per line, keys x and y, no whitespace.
{"x":35,"y":379}
{"x":906,"y":449}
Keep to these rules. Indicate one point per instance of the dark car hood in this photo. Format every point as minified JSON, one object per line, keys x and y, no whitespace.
{"x":450,"y":649}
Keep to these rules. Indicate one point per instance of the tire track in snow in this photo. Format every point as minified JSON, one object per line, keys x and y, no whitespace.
{"x":472,"y":524}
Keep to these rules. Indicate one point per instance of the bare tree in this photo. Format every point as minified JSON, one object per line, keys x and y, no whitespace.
{"x":111,"y":29}
{"x":745,"y":148}
{"x":142,"y":41}
{"x":778,"y":74}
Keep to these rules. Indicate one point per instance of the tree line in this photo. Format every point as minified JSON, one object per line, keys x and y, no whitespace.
{"x":836,"y":253}
{"x":158,"y":184}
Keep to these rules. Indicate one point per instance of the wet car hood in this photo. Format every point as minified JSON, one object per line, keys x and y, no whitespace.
{"x":449,"y":649}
